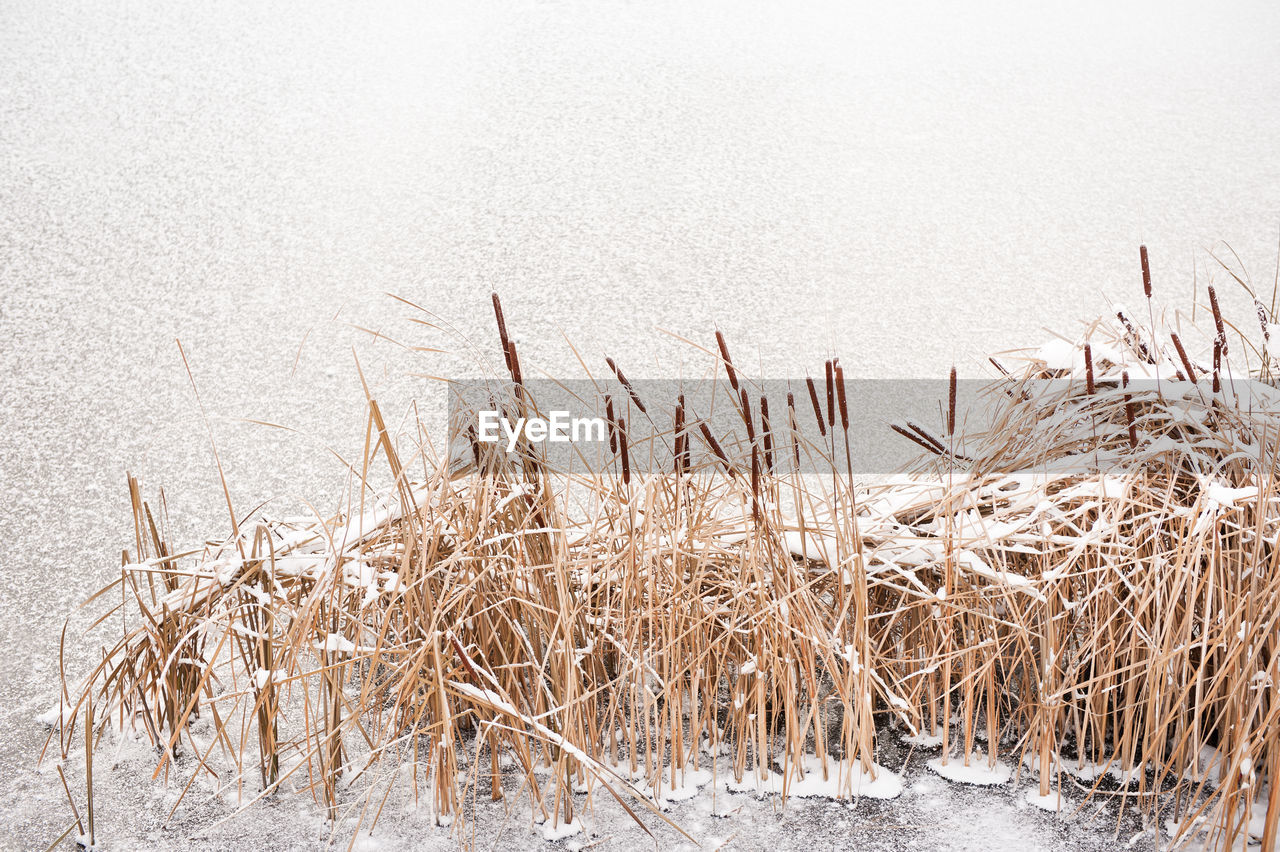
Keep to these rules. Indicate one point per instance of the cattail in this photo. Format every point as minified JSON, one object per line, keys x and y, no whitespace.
{"x":911,"y":436}
{"x":715,"y":446}
{"x":746,"y":416}
{"x":1135,"y":340}
{"x":1182,"y":356}
{"x":1217,"y":365}
{"x":817,"y":407}
{"x":1129,"y":414}
{"x":681,"y":459}
{"x":951,"y":405}
{"x":1090,"y":388}
{"x":502,"y":332}
{"x":622,"y":446}
{"x":925,"y":434}
{"x":831,"y":394}
{"x":684,"y":433}
{"x":1146,"y":271}
{"x":513,"y":363}
{"x":795,"y":423}
{"x":766,"y":432}
{"x":635,"y":397}
{"x":612,"y":424}
{"x":1217,"y":319}
{"x":728,"y":362}
{"x":844,"y":408}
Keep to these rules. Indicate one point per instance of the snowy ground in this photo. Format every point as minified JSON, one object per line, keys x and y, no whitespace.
{"x":922,"y":811}
{"x":833,"y":180}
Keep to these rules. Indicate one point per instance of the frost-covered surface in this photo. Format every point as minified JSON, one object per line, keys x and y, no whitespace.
{"x":927,"y":811}
{"x":976,"y":771}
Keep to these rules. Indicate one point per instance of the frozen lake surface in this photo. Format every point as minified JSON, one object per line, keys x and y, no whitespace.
{"x":908,"y":188}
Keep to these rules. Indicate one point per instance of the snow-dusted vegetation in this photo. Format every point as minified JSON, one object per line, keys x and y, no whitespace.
{"x":1081,"y":594}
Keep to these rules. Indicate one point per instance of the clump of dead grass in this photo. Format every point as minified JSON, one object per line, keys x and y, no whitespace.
{"x":1119,"y":623}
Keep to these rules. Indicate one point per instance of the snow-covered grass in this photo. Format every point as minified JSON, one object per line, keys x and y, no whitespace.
{"x":616,"y":636}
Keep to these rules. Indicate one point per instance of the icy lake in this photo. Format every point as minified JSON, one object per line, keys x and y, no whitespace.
{"x":907,"y":185}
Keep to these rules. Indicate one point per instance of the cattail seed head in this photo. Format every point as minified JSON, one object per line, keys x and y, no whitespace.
{"x":513,"y":363}
{"x":1218,"y":324}
{"x":951,"y":404}
{"x":1146,"y":271}
{"x":915,"y":439}
{"x":794,"y":424}
{"x":1182,"y":356}
{"x":1134,"y":339}
{"x":728,"y":362}
{"x":817,"y":407}
{"x":844,"y":407}
{"x":766,"y":431}
{"x":622,"y":446}
{"x":1129,"y":413}
{"x":746,"y":416}
{"x":924,"y":434}
{"x":611,"y":423}
{"x":1090,"y":387}
{"x":503,"y":337}
{"x":715,"y":446}
{"x":622,"y":380}
{"x":681,"y":462}
{"x":1217,"y":365}
{"x":831,"y":394}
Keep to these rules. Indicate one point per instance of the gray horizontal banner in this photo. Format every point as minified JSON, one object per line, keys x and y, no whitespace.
{"x":876,"y":426}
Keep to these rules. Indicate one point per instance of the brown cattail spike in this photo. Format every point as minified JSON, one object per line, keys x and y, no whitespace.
{"x":844,"y":406}
{"x":1090,"y":387}
{"x":915,"y":439}
{"x":728,"y":362}
{"x":1146,"y":271}
{"x":817,"y":407}
{"x":684,"y":435}
{"x":746,"y":416}
{"x":1129,"y":413}
{"x":612,"y":424}
{"x":951,"y":404}
{"x":631,"y":391}
{"x":1217,"y":365}
{"x":1217,"y":319}
{"x":831,"y":394}
{"x":680,"y":462}
{"x":924,"y":434}
{"x":503,"y":337}
{"x":622,"y":446}
{"x":794,"y":424}
{"x":766,"y":431}
{"x":513,"y":363}
{"x":715,"y":446}
{"x":1134,"y":339}
{"x":1182,"y":355}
